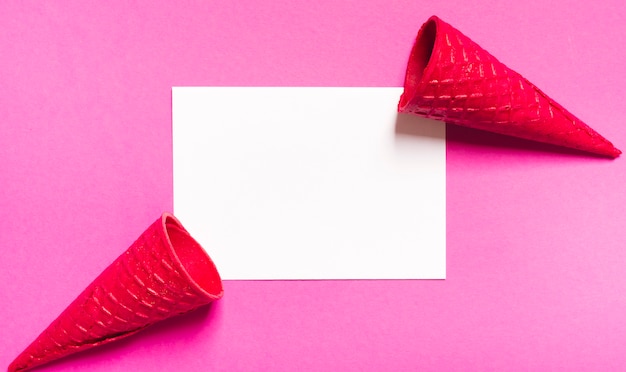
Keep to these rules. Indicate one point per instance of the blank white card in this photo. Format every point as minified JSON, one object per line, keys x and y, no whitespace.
{"x":310,"y":183}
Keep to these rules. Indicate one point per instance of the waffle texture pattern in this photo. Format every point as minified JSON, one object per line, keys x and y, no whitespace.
{"x":451,"y":78}
{"x":164,"y":273}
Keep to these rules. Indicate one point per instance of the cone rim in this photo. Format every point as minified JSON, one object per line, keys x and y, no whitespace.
{"x":420,"y":59}
{"x":211,"y":293}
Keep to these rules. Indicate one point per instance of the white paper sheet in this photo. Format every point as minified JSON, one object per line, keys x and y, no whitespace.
{"x":310,"y":183}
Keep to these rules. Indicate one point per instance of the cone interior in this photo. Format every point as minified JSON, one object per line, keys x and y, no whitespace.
{"x":418,"y":60}
{"x":193,"y":258}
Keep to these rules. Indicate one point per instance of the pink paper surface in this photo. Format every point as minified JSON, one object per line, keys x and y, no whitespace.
{"x":535,"y":276}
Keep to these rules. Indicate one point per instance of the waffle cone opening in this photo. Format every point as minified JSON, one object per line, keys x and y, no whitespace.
{"x":193,"y":259}
{"x":418,"y":60}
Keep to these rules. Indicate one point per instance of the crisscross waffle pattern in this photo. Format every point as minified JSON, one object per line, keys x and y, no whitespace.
{"x":463,"y":84}
{"x":144,"y":285}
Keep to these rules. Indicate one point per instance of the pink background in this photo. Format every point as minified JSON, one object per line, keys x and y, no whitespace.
{"x":536,"y":258}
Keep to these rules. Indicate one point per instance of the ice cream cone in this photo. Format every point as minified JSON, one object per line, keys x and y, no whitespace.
{"x":164,"y":273}
{"x":451,"y":78}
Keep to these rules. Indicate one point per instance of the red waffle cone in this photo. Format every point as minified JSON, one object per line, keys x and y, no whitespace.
{"x":451,"y":78}
{"x":164,"y":273}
